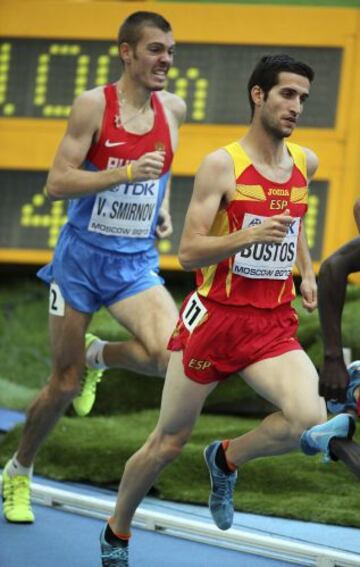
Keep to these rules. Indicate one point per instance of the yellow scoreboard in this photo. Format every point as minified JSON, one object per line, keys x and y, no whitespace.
{"x":52,"y":51}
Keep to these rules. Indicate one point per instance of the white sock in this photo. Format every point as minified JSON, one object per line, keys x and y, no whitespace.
{"x":14,"y":468}
{"x":94,"y":355}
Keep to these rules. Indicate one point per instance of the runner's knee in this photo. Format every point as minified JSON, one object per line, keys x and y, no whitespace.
{"x":66,"y":383}
{"x":307,"y":418}
{"x":160,"y":360}
{"x":165,"y":448}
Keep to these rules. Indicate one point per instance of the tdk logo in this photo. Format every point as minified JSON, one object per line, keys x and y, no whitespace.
{"x":140,"y":189}
{"x":145,"y":189}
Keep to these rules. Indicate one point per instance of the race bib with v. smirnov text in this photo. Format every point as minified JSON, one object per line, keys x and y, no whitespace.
{"x":126,"y":210}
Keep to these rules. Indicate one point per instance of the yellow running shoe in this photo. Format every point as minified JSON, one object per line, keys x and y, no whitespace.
{"x":84,"y":402}
{"x":16,"y":499}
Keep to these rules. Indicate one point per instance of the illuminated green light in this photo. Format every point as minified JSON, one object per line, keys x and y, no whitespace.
{"x":25,"y":221}
{"x":58,"y":224}
{"x":173,"y":73}
{"x":101,"y":80}
{"x":9,"y":109}
{"x":38,"y":200}
{"x":103,"y":60}
{"x":4,"y":58}
{"x":60,"y":110}
{"x":47,"y":110}
{"x":36,"y":220}
{"x":4,"y":68}
{"x":313,"y":198}
{"x":44,"y":58}
{"x":164,"y":246}
{"x":202,"y":83}
{"x":54,"y":49}
{"x":74,"y":49}
{"x":113,"y":50}
{"x":80,"y":81}
{"x":39,"y":100}
{"x":198,"y":115}
{"x":45,"y":220}
{"x":182,"y":83}
{"x":199,"y":104}
{"x":5,"y":47}
{"x":26,"y":209}
{"x":201,"y":91}
{"x":181,"y":93}
{"x":82,"y":72}
{"x":192,"y":73}
{"x":102,"y":68}
{"x":84,"y":60}
{"x":200,"y":95}
{"x":40,"y":90}
{"x":41,"y":79}
{"x":43,"y":69}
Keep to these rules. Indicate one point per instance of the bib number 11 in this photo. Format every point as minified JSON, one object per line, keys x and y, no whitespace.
{"x":193,"y":312}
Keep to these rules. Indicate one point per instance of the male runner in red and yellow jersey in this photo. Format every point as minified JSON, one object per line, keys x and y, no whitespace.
{"x":243,"y":233}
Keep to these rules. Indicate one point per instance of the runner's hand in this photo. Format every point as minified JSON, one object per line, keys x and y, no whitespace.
{"x":149,"y":166}
{"x":308,"y":290}
{"x":273,"y":229}
{"x":164,"y":227}
{"x":334,"y":379}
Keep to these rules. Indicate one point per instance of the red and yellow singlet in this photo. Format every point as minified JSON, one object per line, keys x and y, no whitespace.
{"x":260,"y":275}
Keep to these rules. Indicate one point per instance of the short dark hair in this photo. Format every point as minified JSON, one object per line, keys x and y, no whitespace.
{"x":266,"y":73}
{"x":131,"y":29}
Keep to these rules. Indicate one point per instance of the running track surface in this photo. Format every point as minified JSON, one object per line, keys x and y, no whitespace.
{"x":62,"y":539}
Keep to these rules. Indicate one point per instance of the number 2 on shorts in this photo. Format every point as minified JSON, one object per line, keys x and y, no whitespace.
{"x":56,"y":301}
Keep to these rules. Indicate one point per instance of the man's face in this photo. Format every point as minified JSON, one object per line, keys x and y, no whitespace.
{"x":151,"y":59}
{"x":283,"y":105}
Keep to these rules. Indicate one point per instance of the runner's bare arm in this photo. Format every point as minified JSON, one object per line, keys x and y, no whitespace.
{"x":333,"y":277}
{"x":67,"y":179}
{"x":175,"y":109}
{"x":214,"y":185}
{"x":308,"y":287}
{"x":164,"y":226}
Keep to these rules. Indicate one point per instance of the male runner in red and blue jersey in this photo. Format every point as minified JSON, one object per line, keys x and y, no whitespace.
{"x":113,"y":165}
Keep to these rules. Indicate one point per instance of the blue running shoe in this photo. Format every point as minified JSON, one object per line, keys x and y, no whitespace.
{"x":113,"y":555}
{"x":222,"y":487}
{"x":354,"y":382}
{"x":317,"y":439}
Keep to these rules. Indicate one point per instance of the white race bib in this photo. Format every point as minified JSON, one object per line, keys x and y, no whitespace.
{"x":193,"y":312}
{"x":126,"y":210}
{"x":265,"y":260}
{"x":56,"y":301}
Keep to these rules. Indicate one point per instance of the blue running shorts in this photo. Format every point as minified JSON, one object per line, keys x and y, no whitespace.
{"x":89,"y":277}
